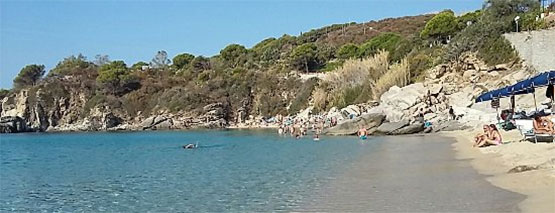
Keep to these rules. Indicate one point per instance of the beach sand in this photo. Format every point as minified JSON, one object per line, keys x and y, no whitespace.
{"x":496,"y":161}
{"x":411,"y":174}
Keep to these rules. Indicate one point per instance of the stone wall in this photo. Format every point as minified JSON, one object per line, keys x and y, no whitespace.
{"x":537,"y":48}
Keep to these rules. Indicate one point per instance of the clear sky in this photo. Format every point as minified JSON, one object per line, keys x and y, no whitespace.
{"x":44,"y":32}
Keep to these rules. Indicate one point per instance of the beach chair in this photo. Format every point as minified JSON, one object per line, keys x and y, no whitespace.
{"x":526,"y":129}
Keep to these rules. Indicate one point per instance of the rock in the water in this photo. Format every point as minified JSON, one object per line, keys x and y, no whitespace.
{"x":12,"y":124}
{"x":410,"y":129}
{"x":350,"y":127}
{"x":390,"y":127}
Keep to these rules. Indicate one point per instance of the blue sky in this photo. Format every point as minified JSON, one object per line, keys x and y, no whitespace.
{"x":44,"y":32}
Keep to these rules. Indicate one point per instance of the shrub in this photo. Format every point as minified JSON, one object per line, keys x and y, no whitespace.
{"x":441,"y":26}
{"x":182,"y":60}
{"x":71,"y":64}
{"x":303,"y":57}
{"x":347,"y":51}
{"x":497,"y":51}
{"x":301,"y":100}
{"x":385,"y":41}
{"x":29,"y":76}
{"x":4,"y":93}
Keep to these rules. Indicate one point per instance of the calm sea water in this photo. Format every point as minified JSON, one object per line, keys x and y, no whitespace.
{"x":148,"y":171}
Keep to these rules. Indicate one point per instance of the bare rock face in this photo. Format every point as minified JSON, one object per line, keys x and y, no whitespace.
{"x":451,"y":125}
{"x":215,"y":115}
{"x":12,"y":124}
{"x":410,"y":129}
{"x":351,"y":126}
{"x":157,"y":122}
{"x":19,"y":105}
{"x":390,"y":127}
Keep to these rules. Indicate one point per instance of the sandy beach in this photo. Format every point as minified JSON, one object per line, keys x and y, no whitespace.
{"x":495,"y":161}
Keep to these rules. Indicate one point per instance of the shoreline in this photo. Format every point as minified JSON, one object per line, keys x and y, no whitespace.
{"x":537,"y":185}
{"x":411,"y":173}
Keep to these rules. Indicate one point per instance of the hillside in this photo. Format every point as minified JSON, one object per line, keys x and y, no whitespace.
{"x":362,"y":62}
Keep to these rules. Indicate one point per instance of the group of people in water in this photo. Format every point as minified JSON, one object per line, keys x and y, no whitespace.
{"x":299,"y":128}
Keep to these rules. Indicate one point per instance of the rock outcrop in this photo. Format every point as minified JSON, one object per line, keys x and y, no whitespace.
{"x":410,"y":129}
{"x":12,"y":124}
{"x":156,"y":122}
{"x":351,"y":126}
{"x":390,"y":127}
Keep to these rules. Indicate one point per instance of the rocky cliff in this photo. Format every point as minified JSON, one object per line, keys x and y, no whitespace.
{"x":24,"y":111}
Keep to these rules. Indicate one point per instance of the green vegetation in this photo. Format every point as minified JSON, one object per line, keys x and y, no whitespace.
{"x":4,"y":93}
{"x":304,"y":57}
{"x":70,"y":65}
{"x":29,"y":76}
{"x":182,"y":60}
{"x":234,"y":55}
{"x":347,"y":51}
{"x":115,"y":78}
{"x":485,"y":35}
{"x":362,"y":59}
{"x":441,"y":26}
{"x":385,"y":41}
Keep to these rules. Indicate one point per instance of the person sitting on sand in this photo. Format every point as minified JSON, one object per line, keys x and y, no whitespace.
{"x":481,"y":136}
{"x":494,"y":137}
{"x":543,"y":125}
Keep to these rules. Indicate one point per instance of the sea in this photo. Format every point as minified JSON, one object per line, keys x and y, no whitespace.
{"x":235,"y":171}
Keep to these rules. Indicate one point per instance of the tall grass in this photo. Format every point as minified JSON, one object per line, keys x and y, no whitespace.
{"x":397,"y":75}
{"x":360,"y":81}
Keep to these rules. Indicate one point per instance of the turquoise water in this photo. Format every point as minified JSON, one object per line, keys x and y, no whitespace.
{"x":148,"y":171}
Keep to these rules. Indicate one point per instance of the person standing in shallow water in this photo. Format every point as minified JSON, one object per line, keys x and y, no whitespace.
{"x":362,"y":133}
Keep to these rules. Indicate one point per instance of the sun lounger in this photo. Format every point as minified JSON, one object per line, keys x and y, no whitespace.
{"x":526,"y":128}
{"x":532,"y":137}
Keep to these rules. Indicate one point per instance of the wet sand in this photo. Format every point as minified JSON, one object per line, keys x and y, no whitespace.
{"x":411,"y":174}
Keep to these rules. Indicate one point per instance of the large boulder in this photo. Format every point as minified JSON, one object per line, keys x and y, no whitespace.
{"x":390,"y":127}
{"x":451,"y":125}
{"x":157,"y":122}
{"x":435,"y":89}
{"x":404,"y":98}
{"x":351,"y":110}
{"x":410,"y":129}
{"x":351,"y":126}
{"x":335,"y":113}
{"x":305,"y":114}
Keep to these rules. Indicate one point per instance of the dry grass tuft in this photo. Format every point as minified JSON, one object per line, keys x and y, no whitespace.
{"x":360,"y":81}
